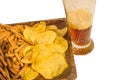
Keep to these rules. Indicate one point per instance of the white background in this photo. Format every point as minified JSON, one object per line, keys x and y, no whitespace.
{"x":103,"y":63}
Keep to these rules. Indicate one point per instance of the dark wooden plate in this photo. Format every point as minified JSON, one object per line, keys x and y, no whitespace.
{"x":70,"y":72}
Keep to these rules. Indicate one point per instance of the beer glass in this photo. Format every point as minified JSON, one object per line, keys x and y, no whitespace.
{"x":79,"y":15}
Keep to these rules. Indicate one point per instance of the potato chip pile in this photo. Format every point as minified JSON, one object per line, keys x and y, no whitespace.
{"x":46,"y":55}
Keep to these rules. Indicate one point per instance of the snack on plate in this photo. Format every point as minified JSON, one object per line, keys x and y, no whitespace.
{"x":47,"y":55}
{"x":12,"y":44}
{"x":29,"y":51}
{"x":51,"y":66}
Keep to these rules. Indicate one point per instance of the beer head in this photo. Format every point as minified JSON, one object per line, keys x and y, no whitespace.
{"x":79,"y":19}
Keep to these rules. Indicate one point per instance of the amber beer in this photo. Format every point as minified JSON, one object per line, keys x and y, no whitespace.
{"x":79,"y":25}
{"x":80,"y":37}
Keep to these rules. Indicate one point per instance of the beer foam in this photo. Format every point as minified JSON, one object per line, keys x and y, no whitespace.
{"x":79,"y":19}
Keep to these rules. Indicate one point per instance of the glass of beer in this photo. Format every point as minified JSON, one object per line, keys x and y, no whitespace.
{"x":79,"y":15}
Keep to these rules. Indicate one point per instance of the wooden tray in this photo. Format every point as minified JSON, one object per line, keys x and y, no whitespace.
{"x":70,"y":72}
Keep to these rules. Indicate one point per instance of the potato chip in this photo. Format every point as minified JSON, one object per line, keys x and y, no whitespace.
{"x":41,"y":34}
{"x":55,"y":48}
{"x":44,"y":52}
{"x":63,"y":42}
{"x":26,"y":71}
{"x":29,"y":74}
{"x":27,"y":33}
{"x":51,"y":67}
{"x":27,"y":49}
{"x":31,"y":54}
{"x":46,"y":37}
{"x":36,"y":53}
{"x":59,"y":32}
{"x":51,"y":27}
{"x":41,"y":27}
{"x":27,"y":57}
{"x":30,"y":34}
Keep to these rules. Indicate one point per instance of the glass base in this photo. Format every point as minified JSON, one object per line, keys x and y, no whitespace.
{"x":82,"y":50}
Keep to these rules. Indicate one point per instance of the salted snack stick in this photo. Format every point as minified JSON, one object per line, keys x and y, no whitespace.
{"x":9,"y":55}
{"x":1,"y":53}
{"x":12,"y":70}
{"x":16,"y":67}
{"x":19,"y":59}
{"x":13,"y":48}
{"x":2,"y":61}
{"x":1,"y":31}
{"x":4,"y":73}
{"x":21,"y":47}
{"x":8,"y":76}
{"x":2,"y":77}
{"x":10,"y":39}
{"x":21,"y":72}
{"x":17,"y":34}
{"x":1,"y":64}
{"x":8,"y":61}
{"x":4,"y":34}
{"x":11,"y":74}
{"x":4,"y":46}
